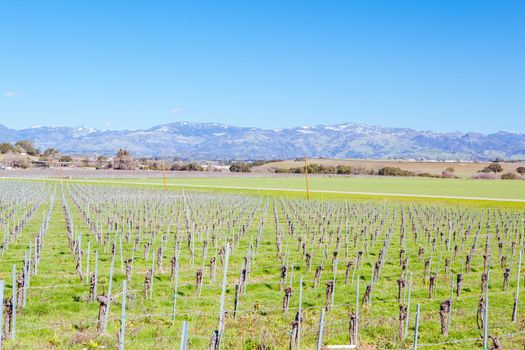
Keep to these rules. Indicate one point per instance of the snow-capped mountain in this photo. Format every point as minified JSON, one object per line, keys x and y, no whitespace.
{"x":218,"y":141}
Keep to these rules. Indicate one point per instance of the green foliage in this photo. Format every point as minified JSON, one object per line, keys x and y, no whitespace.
{"x":27,"y":147}
{"x":315,"y":168}
{"x":429,"y":175}
{"x":240,"y":167}
{"x":187,"y":167}
{"x":262,"y":162}
{"x":394,"y":171}
{"x":493,"y":168}
{"x":6,"y":147}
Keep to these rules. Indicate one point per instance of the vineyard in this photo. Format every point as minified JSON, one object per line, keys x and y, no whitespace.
{"x":114,"y":266}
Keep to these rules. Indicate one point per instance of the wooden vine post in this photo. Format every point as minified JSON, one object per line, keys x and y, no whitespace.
{"x":486,"y":319}
{"x":14,"y":303}
{"x":109,"y":291}
{"x":516,"y":298}
{"x":175,"y":287}
{"x":96,"y":273}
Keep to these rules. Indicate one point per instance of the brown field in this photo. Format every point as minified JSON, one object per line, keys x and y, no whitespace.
{"x":462,"y":169}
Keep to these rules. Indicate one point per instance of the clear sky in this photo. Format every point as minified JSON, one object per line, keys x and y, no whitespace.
{"x":441,"y":65}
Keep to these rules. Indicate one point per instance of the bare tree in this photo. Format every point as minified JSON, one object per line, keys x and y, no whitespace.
{"x":124,"y":161}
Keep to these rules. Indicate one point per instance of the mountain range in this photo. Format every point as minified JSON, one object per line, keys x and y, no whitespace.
{"x":212,"y":141}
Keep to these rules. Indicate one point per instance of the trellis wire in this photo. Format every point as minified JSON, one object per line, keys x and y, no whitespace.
{"x":109,"y":293}
{"x":486,"y":322}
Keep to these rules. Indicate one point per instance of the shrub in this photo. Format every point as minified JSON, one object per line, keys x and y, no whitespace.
{"x":262,"y":162}
{"x":493,"y":168}
{"x":344,"y":169}
{"x":315,"y":168}
{"x":393,"y":171}
{"x":484,"y":176}
{"x":186,"y":167}
{"x":27,"y":147}
{"x":312,"y":169}
{"x":521,"y":170}
{"x":428,"y":175}
{"x":6,"y":147}
{"x":124,"y":161}
{"x":240,"y":167}
{"x":447,"y":175}
{"x":509,"y":176}
{"x":192,"y":167}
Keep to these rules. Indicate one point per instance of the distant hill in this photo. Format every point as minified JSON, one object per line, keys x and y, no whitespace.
{"x":214,"y":141}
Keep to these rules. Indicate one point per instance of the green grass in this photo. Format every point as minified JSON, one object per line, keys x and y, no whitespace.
{"x":295,"y":187}
{"x":390,"y":185}
{"x":326,"y":188}
{"x":58,"y":317}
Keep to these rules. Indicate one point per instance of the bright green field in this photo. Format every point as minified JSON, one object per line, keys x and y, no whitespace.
{"x":463,"y":192}
{"x":418,"y":186}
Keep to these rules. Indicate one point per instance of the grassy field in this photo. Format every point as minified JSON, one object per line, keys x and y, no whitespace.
{"x":381,"y":185}
{"x":462,"y":169}
{"x":57,"y":315}
{"x":464,"y":192}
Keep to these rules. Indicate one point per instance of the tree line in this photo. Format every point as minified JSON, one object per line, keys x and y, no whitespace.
{"x":449,"y":172}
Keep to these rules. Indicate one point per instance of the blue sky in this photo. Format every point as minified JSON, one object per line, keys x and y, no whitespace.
{"x":439,"y":65}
